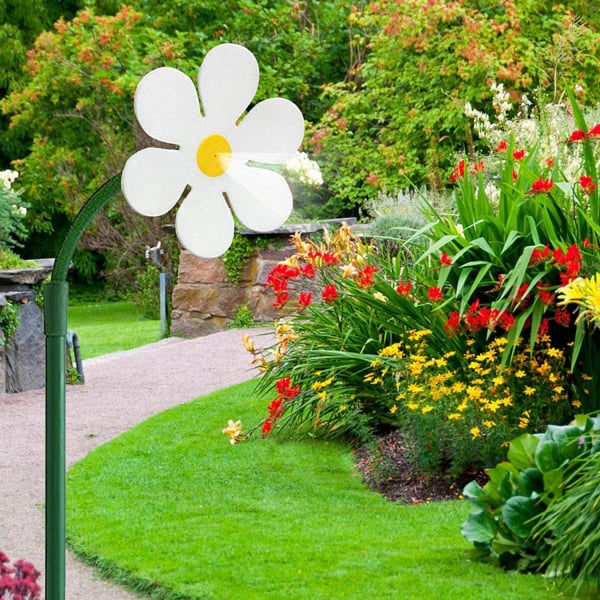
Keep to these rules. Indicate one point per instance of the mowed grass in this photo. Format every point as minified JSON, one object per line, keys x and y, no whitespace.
{"x":106,"y":327}
{"x":172,"y":509}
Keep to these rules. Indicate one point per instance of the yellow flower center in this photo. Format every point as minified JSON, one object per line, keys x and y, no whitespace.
{"x":213,"y":155}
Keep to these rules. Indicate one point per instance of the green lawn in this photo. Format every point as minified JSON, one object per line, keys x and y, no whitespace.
{"x":105,"y":327}
{"x":173,"y":509}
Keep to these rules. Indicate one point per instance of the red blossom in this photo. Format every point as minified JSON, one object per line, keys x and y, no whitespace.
{"x":304,"y":300}
{"x":403,"y":288}
{"x":541,"y":186}
{"x":330,"y":259}
{"x":519,"y":154}
{"x":329,"y":294}
{"x":594,"y":131}
{"x":477,"y":167}
{"x":587,"y":184}
{"x":546,"y":296}
{"x":577,"y":136}
{"x":365,"y":276}
{"x":282,"y":298}
{"x":435,"y":294}
{"x":515,"y":175}
{"x":445,"y":259}
{"x":285,"y":389}
{"x":538,"y":256}
{"x":452,"y":323}
{"x":266,"y":428}
{"x":562,"y":317}
{"x":308,"y":270}
{"x":501,"y":147}
{"x":543,"y":328}
{"x":459,"y":171}
{"x":549,"y":162}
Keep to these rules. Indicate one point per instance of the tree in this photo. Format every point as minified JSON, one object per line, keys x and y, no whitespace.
{"x":399,"y":119}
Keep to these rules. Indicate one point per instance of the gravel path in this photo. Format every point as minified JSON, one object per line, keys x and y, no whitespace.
{"x":120,"y":390}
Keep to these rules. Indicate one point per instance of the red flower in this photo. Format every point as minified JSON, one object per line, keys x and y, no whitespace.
{"x":538,"y":256}
{"x":266,"y":428}
{"x":459,"y":171}
{"x":549,"y":162}
{"x":541,"y":186}
{"x":477,"y":167}
{"x":284,"y":388}
{"x":275,"y":409}
{"x":304,"y":300}
{"x":282,"y":298}
{"x":453,"y":323}
{"x":445,"y":259}
{"x":562,"y":317}
{"x":546,"y":296}
{"x":506,"y":320}
{"x":519,"y":154}
{"x":308,"y":270}
{"x":365,"y":276}
{"x":515,"y":175}
{"x":501,"y":146}
{"x":577,"y":136}
{"x":594,"y":131}
{"x":330,"y":259}
{"x":435,"y":294}
{"x":329,"y":294}
{"x":587,"y":184}
{"x":403,"y":288}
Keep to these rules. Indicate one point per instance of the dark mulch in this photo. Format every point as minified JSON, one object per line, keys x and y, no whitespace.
{"x":387,"y":471}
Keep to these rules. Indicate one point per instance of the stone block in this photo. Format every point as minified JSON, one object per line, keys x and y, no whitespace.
{"x":193,"y":269}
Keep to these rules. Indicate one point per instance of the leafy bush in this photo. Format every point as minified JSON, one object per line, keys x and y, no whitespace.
{"x":12,"y":212}
{"x":509,"y":522}
{"x":147,"y":293}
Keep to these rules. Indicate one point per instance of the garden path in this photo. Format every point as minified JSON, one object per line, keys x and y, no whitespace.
{"x":120,"y":390}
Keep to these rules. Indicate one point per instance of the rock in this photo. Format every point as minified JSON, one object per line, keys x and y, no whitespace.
{"x":26,"y":354}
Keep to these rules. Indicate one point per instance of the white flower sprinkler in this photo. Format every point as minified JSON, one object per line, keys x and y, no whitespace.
{"x":215,"y":164}
{"x":215,"y":161}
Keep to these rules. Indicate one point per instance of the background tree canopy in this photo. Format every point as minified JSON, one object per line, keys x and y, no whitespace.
{"x":382,"y":86}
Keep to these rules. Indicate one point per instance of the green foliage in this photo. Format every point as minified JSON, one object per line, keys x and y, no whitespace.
{"x":12,"y":213}
{"x":399,"y":116}
{"x":509,"y":520}
{"x":574,"y":520}
{"x":9,"y":321}
{"x":147,"y":293}
{"x":10,"y":260}
{"x":236,"y":257}
{"x":243,"y":318}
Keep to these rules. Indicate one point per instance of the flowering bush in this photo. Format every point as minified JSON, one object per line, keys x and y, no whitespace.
{"x":18,"y":582}
{"x":12,"y":212}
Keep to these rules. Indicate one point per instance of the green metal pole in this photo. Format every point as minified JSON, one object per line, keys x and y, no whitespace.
{"x":56,"y":302}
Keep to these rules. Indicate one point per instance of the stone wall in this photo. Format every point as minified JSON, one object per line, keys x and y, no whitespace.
{"x":205,"y":302}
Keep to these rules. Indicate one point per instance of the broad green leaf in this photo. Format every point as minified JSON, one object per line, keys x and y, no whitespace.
{"x":521,"y":451}
{"x":479,"y":527}
{"x":553,"y":484}
{"x":531,"y":481}
{"x":547,"y":456}
{"x":519,"y":513}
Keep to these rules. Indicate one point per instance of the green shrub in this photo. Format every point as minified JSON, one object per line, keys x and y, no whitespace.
{"x":9,"y":321}
{"x":508,"y":521}
{"x":147,"y":293}
{"x":243,"y":318}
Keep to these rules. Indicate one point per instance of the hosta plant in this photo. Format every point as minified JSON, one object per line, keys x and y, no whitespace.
{"x":508,"y":509}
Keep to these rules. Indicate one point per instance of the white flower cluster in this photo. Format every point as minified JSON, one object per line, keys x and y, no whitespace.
{"x":305,"y":170}
{"x":7,"y":178}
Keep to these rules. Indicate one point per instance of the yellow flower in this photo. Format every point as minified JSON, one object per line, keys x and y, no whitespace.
{"x":413,"y":388}
{"x":342,"y":408}
{"x":559,"y":389}
{"x":233,"y":430}
{"x":379,"y":296}
{"x":413,"y":405}
{"x":322,"y":395}
{"x":489,"y":424}
{"x":520,"y":373}
{"x":319,"y":385}
{"x":475,"y":432}
{"x":454,"y":417}
{"x":576,"y":404}
{"x":426,"y":409}
{"x":248,"y":343}
{"x":348,"y":271}
{"x":529,"y":391}
{"x":499,"y":380}
{"x":394,"y":409}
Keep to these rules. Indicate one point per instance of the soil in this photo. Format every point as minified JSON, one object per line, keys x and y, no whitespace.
{"x":385,"y":468}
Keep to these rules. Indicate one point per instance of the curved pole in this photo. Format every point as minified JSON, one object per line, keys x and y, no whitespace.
{"x":56,"y":302}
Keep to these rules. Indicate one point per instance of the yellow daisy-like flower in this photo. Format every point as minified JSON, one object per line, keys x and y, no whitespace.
{"x":475,"y":432}
{"x":529,"y":391}
{"x":394,"y":409}
{"x":520,"y":373}
{"x":426,"y":409}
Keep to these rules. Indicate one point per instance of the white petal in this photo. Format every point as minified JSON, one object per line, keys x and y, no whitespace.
{"x":166,"y":105}
{"x":271,"y":132}
{"x":204,"y":223}
{"x":153,"y":180}
{"x":227,"y":80}
{"x":261,"y":199}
